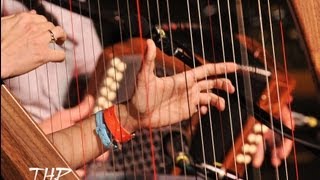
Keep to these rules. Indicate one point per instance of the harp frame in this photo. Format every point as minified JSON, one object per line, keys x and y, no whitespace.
{"x":24,"y":145}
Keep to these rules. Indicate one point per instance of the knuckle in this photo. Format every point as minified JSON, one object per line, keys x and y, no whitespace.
{"x":39,"y":56}
{"x":35,"y":44}
{"x":24,"y":18}
{"x":42,"y":18}
{"x":50,"y":24}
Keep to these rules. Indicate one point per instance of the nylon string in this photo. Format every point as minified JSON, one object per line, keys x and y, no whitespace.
{"x":225,"y":75}
{"x":247,"y":79}
{"x":208,"y":91}
{"x":209,"y":108}
{"x":289,"y":104}
{"x":277,"y":84}
{"x":267,"y":82}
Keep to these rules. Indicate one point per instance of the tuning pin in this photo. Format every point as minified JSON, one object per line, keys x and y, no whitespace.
{"x":258,"y":138}
{"x":258,"y":128}
{"x":108,"y":80}
{"x":251,"y":138}
{"x":121,"y":67}
{"x":265,"y":128}
{"x":96,"y":109}
{"x":115,"y":62}
{"x":113,"y":86}
{"x":119,"y":76}
{"x":107,"y":104}
{"x":111,"y":95}
{"x":111,"y":72}
{"x":104,"y":91}
{"x":101,"y":101}
{"x":247,"y":148}
{"x":243,"y":159}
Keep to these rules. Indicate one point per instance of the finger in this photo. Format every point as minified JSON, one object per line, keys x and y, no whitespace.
{"x":221,"y":83}
{"x":212,"y":99}
{"x":103,"y":157}
{"x":287,"y":117}
{"x":59,"y":35}
{"x":33,"y":11}
{"x":203,"y":110}
{"x":45,"y":26}
{"x":8,"y":17}
{"x":149,"y":56}
{"x":55,"y":55}
{"x":81,"y":172}
{"x":36,"y":18}
{"x":84,"y":108}
{"x":275,"y":159}
{"x":285,"y":150}
{"x":210,"y":70}
{"x":78,"y":113}
{"x":259,"y":156}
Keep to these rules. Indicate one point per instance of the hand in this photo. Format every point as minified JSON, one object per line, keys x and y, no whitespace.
{"x":163,"y":101}
{"x":25,"y":40}
{"x":66,"y":118}
{"x":282,"y":148}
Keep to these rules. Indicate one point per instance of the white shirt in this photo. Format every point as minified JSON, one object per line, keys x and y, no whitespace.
{"x":43,"y":90}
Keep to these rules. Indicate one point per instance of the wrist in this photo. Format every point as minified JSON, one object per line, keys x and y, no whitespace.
{"x":127,"y":121}
{"x":120,"y":124}
{"x":4,"y":66}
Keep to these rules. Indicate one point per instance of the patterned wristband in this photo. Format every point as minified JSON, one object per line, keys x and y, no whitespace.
{"x":120,"y":134}
{"x":102,"y":131}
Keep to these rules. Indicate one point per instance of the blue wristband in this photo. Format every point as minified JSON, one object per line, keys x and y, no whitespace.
{"x":102,"y":131}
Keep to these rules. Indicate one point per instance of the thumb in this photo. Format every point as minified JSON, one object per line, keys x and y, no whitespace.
{"x":259,"y":156}
{"x":149,"y":57}
{"x":82,"y":110}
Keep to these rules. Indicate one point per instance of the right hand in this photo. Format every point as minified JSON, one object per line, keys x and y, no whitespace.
{"x":25,"y":40}
{"x":163,"y":101}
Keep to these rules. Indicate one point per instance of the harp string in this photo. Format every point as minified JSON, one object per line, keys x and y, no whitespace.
{"x":165,"y":74}
{"x":207,"y":90}
{"x":217,"y":92}
{"x":244,"y":61}
{"x":289,"y":104}
{"x":225,"y":75}
{"x":142,"y":48}
{"x":209,"y":108}
{"x":76,"y":76}
{"x":267,"y":80}
{"x":277,"y":82}
{"x":194,"y":65}
{"x":95,"y":84}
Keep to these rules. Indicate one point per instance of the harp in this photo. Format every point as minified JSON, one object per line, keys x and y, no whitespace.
{"x":309,"y":25}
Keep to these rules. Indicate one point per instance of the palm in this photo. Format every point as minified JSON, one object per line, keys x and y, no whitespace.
{"x":163,"y":101}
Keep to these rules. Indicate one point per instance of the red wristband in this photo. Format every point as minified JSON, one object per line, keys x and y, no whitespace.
{"x":119,"y":134}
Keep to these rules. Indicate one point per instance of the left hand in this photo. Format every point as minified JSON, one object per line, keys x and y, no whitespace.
{"x":25,"y":39}
{"x":68,"y":117}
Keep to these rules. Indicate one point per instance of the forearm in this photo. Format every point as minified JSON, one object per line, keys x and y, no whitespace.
{"x":6,"y":65}
{"x":79,"y":143}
